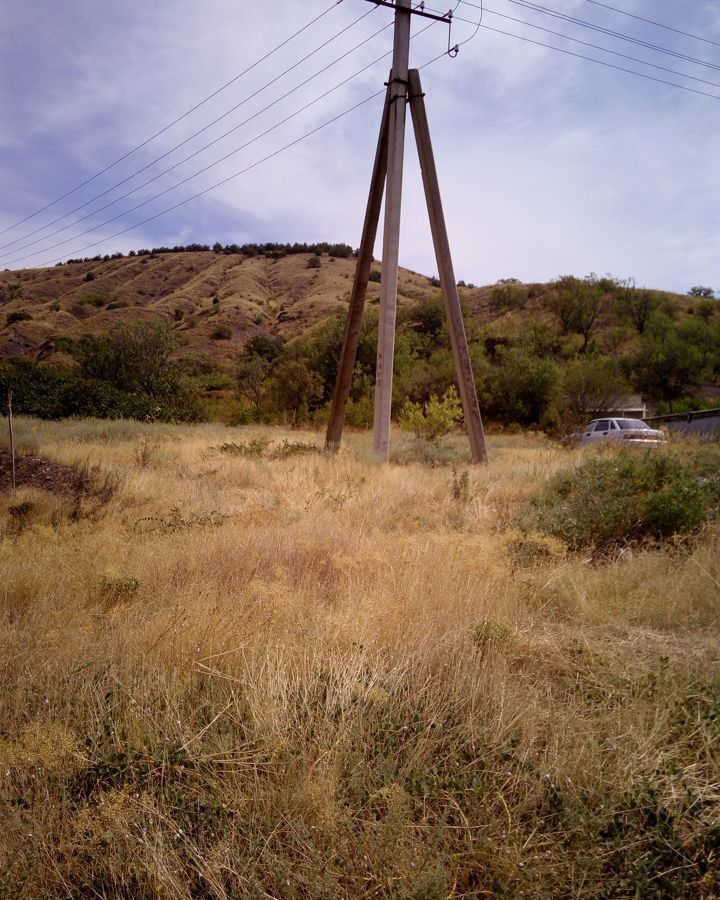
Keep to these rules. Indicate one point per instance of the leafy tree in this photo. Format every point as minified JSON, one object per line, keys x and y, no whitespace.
{"x":668,"y":362}
{"x":637,"y":304}
{"x":706,"y":309}
{"x":251,"y":379}
{"x":578,"y":304}
{"x":590,"y":385}
{"x":700,"y":291}
{"x":268,"y":348}
{"x":521,"y":388}
{"x":134,"y":357}
{"x":296,"y":390}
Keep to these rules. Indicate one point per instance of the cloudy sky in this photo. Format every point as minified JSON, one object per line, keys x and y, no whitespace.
{"x":549,"y":164}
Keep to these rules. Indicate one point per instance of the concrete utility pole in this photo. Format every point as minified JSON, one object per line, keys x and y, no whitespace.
{"x":388,"y":167}
{"x":391,"y":234}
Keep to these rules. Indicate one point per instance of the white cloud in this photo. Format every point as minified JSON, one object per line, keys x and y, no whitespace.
{"x":549,"y":164}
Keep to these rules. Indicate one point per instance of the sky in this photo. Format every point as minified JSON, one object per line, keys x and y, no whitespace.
{"x":549,"y":164}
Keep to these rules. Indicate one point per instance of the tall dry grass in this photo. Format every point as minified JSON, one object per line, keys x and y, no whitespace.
{"x":318,"y":677}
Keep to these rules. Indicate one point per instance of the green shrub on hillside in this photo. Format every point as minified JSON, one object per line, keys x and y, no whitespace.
{"x":608,"y":502}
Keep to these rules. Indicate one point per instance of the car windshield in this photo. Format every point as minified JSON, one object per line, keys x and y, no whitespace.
{"x":633,"y":425}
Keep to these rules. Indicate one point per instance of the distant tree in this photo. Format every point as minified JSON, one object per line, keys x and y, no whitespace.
{"x":707,"y":308}
{"x":133,"y":357}
{"x":590,"y":385}
{"x":295,"y":389}
{"x":251,"y":378}
{"x":521,"y":387}
{"x":636,"y":304}
{"x":668,"y":362}
{"x":578,"y":304}
{"x":700,"y":291}
{"x":268,"y":348}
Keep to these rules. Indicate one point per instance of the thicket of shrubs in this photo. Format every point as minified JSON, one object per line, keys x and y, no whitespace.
{"x":607,"y":502}
{"x":552,"y":373}
{"x":127,"y":373}
{"x":550,"y":377}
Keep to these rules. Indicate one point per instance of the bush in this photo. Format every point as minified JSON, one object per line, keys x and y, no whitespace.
{"x":375,"y":276}
{"x":221,"y":333}
{"x":18,"y":316}
{"x":508,"y":297}
{"x":608,"y":502}
{"x":435,"y":419}
{"x":314,"y":262}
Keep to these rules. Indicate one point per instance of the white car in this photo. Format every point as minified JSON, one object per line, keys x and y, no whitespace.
{"x":634,"y":432}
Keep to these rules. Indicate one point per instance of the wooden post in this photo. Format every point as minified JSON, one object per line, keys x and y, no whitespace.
{"x":453,"y":311}
{"x":12,"y":436}
{"x":391,"y":236}
{"x":351,"y":340}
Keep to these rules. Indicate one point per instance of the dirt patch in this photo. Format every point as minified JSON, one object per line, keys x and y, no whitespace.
{"x":34,"y":471}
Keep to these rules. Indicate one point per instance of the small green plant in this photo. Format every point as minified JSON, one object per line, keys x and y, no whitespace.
{"x":293,"y":448}
{"x":491,"y":634}
{"x":221,"y":333}
{"x":256,"y":447}
{"x":145,"y":451}
{"x":116,"y":587}
{"x":437,"y":417}
{"x":175,"y":521}
{"x":89,"y":277}
{"x":461,"y":486}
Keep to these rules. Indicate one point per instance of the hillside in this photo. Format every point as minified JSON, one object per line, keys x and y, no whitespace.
{"x":280,"y":297}
{"x":254,"y":334}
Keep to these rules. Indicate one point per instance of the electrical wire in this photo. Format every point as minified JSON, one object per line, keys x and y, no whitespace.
{"x":187,"y":140}
{"x":213,"y":164}
{"x":249,"y":168}
{"x":624,"y":12}
{"x":599,"y":47}
{"x":182,"y":161}
{"x":536,"y":7}
{"x":592,"y":59}
{"x":180,"y":118}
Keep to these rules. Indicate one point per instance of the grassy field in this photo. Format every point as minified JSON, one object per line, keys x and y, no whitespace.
{"x":254,"y":671}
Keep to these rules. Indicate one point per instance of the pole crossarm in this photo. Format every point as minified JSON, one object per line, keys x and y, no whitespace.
{"x":419,"y":11}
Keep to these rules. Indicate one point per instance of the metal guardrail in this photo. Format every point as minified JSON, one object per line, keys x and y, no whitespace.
{"x":686,"y":416}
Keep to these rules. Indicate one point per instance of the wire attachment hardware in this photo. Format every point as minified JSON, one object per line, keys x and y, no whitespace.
{"x":452,"y":50}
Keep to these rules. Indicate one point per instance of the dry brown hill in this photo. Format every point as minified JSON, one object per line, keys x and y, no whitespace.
{"x":217,"y":301}
{"x":207,"y":294}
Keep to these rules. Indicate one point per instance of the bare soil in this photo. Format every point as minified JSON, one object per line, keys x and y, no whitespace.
{"x":37,"y":472}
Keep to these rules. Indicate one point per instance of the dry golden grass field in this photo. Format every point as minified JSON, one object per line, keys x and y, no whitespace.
{"x":277,"y":674}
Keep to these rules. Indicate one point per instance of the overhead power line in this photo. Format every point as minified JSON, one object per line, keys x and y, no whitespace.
{"x":180,"y":118}
{"x":536,"y":7}
{"x":575,"y":40}
{"x":624,"y":12}
{"x":213,"y":164}
{"x":244,"y":171}
{"x":182,"y":143}
{"x":591,"y":59}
